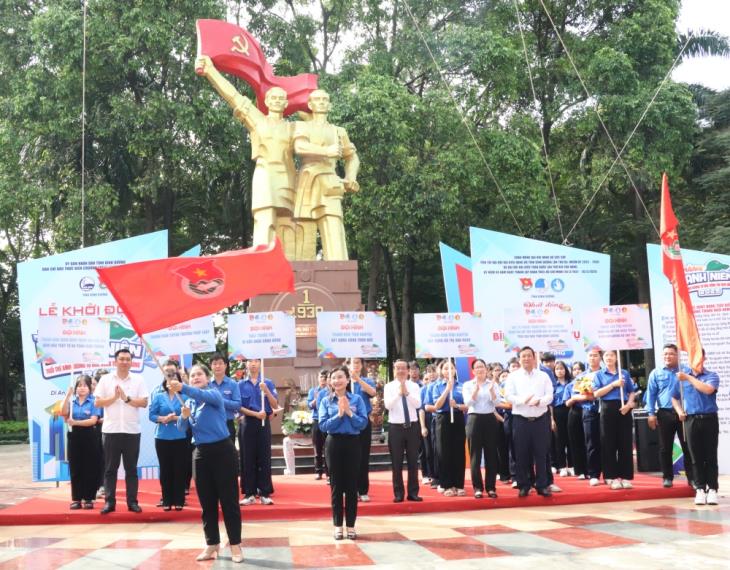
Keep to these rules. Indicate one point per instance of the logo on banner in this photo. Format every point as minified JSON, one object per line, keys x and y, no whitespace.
{"x":351,"y":317}
{"x":202,"y":280}
{"x":672,"y":249}
{"x":87,"y":284}
{"x":448,"y":317}
{"x":526,"y":283}
{"x":708,"y":281}
{"x":260,"y":317}
{"x":557,"y":285}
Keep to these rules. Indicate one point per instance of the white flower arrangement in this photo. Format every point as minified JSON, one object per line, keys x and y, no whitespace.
{"x":299,"y":421}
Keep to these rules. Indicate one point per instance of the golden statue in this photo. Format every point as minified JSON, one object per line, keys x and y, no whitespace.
{"x":272,"y":187}
{"x":319,"y":191}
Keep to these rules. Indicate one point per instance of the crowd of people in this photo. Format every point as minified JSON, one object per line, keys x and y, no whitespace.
{"x":523,"y":424}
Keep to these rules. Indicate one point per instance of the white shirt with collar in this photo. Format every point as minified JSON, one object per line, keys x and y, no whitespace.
{"x":394,"y":403}
{"x":521,"y":385}
{"x":121,"y":417}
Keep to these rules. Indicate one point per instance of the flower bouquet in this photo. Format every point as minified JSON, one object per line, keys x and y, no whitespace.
{"x":584,"y":384}
{"x":299,"y":421}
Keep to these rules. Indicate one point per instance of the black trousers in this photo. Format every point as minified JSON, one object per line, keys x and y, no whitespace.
{"x":668,"y":424}
{"x":173,"y":455}
{"x":532,"y":448}
{"x":509,"y":436}
{"x":452,"y":458}
{"x":256,"y":474}
{"x":122,"y":447}
{"x":562,"y":456}
{"x":215,"y":482}
{"x":481,"y":434}
{"x":425,"y":453}
{"x":318,"y":439}
{"x":617,"y":439}
{"x":503,"y":453}
{"x":434,"y":434}
{"x":102,"y":463}
{"x":231,"y":425}
{"x":703,"y":431}
{"x":83,"y":462}
{"x":592,"y":433}
{"x":408,"y":440}
{"x":189,"y":458}
{"x":343,"y":460}
{"x":363,"y":477}
{"x":577,"y":440}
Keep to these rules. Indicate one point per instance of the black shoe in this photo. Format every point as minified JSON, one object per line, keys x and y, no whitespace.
{"x":492,"y":494}
{"x":134,"y":508}
{"x":88,"y":505}
{"x":524,"y":492}
{"x":546,"y":492}
{"x":108,"y":508}
{"x":415,"y":498}
{"x":667,"y":483}
{"x":160,"y":504}
{"x":75,"y":506}
{"x":398,"y":499}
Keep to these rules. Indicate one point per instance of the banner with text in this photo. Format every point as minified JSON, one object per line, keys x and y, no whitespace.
{"x":189,"y":337}
{"x":261,"y":335}
{"x":616,"y":327}
{"x":544,"y":330}
{"x":514,"y":272}
{"x":708,"y":279}
{"x":444,"y":335}
{"x":74,"y":339}
{"x":351,"y":334}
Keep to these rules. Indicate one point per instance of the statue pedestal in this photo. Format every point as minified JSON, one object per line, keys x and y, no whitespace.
{"x":319,"y":286}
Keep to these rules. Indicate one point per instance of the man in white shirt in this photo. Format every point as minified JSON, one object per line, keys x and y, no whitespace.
{"x":402,"y":398}
{"x":530,"y":391}
{"x":121,"y":395}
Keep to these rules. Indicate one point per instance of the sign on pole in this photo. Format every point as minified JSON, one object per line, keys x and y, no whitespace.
{"x":261,"y":335}
{"x":443,"y":335}
{"x":616,"y":327}
{"x":351,"y":334}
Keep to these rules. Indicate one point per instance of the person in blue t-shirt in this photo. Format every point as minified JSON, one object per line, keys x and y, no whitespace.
{"x":228,"y":388}
{"x":616,"y":422}
{"x":214,"y":459}
{"x":365,"y":388}
{"x":314,"y":397}
{"x":342,"y":415}
{"x":573,"y":402}
{"x":591,"y":415}
{"x":703,"y":428}
{"x":428,"y":474}
{"x":562,"y":457}
{"x":83,"y":449}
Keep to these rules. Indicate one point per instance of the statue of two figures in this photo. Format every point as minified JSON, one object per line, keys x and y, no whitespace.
{"x":287,"y":203}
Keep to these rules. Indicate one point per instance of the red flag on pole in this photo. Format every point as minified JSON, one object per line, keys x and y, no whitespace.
{"x":163,"y":292}
{"x":688,"y":337}
{"x":233,"y":50}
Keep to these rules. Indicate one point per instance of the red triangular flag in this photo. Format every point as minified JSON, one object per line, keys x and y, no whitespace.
{"x":163,"y":292}
{"x":688,"y":336}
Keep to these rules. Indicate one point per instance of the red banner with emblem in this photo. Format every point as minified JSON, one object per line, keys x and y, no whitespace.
{"x":163,"y":292}
{"x":233,"y":50}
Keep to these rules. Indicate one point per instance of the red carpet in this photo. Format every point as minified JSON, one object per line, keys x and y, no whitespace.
{"x":301,"y":497}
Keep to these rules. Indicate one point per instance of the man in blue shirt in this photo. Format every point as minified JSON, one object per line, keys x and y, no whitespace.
{"x":365,"y":388}
{"x":314,"y":397}
{"x":659,"y":389}
{"x":258,"y":400}
{"x":703,"y":428}
{"x":228,"y":389}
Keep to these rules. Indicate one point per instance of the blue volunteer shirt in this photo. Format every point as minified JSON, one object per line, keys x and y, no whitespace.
{"x":330,"y":422}
{"x":439,"y":387}
{"x":604,"y":378}
{"x":559,"y":393}
{"x":231,"y":395}
{"x":162,"y":405}
{"x":84,"y":411}
{"x":660,"y":386}
{"x":314,"y":397}
{"x":251,"y":395}
{"x":357,"y":389}
{"x":207,"y":418}
{"x":588,"y":407}
{"x":695,"y":402}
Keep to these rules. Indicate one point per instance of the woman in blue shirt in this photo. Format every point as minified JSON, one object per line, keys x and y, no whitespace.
{"x":83,"y":447}
{"x":576,"y":437}
{"x":342,"y":416}
{"x":616,"y":422}
{"x":214,"y":458}
{"x":314,"y":397}
{"x":563,"y":459}
{"x":171,"y":445}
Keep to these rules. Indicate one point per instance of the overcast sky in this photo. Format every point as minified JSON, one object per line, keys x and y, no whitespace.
{"x":713,"y":72}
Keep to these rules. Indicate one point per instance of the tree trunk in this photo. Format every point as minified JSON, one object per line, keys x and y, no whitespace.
{"x":374,"y":276}
{"x":392,"y":299}
{"x":642,"y":270}
{"x":407,"y":342}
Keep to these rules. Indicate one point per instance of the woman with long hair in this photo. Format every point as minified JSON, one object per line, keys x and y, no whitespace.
{"x":83,"y":446}
{"x":563,"y":458}
{"x":573,"y":402}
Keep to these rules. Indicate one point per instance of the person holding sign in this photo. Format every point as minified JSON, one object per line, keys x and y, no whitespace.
{"x":83,"y":447}
{"x":448,"y":401}
{"x":530,"y":391}
{"x":480,"y":395}
{"x":703,"y":429}
{"x":214,"y":459}
{"x":659,"y":390}
{"x":402,"y":399}
{"x":258,"y":400}
{"x":314,"y":397}
{"x":342,"y":417}
{"x":365,"y":388}
{"x":610,"y":385}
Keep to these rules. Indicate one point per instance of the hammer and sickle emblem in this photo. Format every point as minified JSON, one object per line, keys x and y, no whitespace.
{"x":240,"y":44}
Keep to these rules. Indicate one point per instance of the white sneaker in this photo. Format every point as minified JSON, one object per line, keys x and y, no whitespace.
{"x":440,"y":489}
{"x":267,"y":501}
{"x":426,"y":481}
{"x":581,"y":477}
{"x":555,"y":489}
{"x":701,"y":497}
{"x":514,"y":484}
{"x":553,"y":470}
{"x":609,"y":482}
{"x":626,"y":484}
{"x":712,"y":497}
{"x":461,"y":493}
{"x":250,"y":500}
{"x":364,"y":499}
{"x":563,"y":472}
{"x":594,"y":482}
{"x":616,"y":485}
{"x":571,"y":472}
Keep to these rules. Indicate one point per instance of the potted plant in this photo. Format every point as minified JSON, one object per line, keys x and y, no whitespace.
{"x":297,"y":424}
